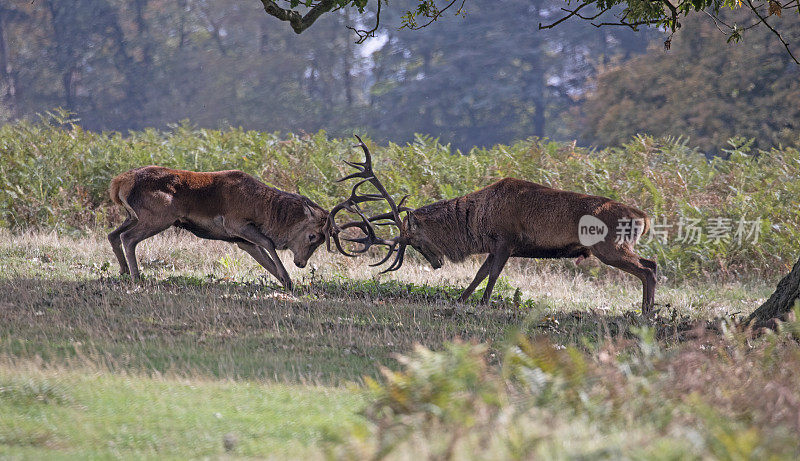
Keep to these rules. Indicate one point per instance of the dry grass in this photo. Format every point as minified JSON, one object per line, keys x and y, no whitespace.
{"x":207,"y":307}
{"x":560,"y":284}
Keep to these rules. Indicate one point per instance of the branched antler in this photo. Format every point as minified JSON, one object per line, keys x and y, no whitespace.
{"x":351,"y":204}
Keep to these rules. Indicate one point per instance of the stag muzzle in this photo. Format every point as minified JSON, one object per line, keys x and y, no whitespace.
{"x":435,"y":261}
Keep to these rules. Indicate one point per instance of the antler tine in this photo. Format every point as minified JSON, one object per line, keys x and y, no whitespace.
{"x":336,"y":241}
{"x":364,"y":168}
{"x":351,"y":202}
{"x":370,"y":238}
{"x":365,"y":171}
{"x":398,"y":261}
{"x":395,"y":245}
{"x":386,"y":258}
{"x":400,"y":206}
{"x":356,"y":199}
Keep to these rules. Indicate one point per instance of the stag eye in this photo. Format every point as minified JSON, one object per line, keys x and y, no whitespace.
{"x":312,"y":238}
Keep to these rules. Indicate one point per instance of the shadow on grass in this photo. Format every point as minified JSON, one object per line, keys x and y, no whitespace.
{"x":326,"y":331}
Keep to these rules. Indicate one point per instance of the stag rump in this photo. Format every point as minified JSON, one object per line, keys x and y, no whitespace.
{"x":510,"y":218}
{"x":222,"y":205}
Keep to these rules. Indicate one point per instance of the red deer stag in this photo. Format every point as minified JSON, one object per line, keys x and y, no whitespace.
{"x":222,"y":205}
{"x":509,"y":218}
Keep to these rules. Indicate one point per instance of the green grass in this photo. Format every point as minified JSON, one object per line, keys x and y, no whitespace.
{"x":95,"y":366}
{"x":225,"y":329}
{"x":91,"y":413}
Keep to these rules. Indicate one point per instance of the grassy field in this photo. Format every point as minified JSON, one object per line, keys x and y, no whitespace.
{"x":83,"y":412}
{"x":208,"y":347}
{"x":208,"y":358}
{"x":208,"y":307}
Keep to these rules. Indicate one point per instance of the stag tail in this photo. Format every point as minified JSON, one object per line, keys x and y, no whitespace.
{"x":645,"y":229}
{"x":120,"y":191}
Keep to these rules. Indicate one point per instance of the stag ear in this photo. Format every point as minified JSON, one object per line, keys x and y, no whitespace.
{"x":309,"y":212}
{"x":313,"y":213}
{"x":412,"y":222}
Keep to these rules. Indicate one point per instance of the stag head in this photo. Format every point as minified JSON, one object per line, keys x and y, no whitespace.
{"x":414,"y":232}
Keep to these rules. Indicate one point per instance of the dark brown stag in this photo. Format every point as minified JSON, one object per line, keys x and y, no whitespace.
{"x":222,"y":205}
{"x":510,"y":218}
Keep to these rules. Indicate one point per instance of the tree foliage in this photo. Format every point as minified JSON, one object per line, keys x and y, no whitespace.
{"x":478,"y":80}
{"x":663,"y":14}
{"x":150,"y":63}
{"x":464,"y":83}
{"x":124,"y":65}
{"x":703,"y":89}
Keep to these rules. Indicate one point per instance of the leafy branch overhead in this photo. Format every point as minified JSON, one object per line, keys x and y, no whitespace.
{"x":312,"y":10}
{"x":664,"y":14}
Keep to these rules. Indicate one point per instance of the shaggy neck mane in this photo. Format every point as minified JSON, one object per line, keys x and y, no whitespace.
{"x":282,"y":211}
{"x":447,"y":223}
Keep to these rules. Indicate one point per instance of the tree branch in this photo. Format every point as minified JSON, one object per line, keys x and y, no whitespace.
{"x":622,"y":20}
{"x":298,"y":22}
{"x":769,"y":26}
{"x":673,"y":22}
{"x":632,"y":25}
{"x":571,"y":14}
{"x":364,"y":34}
{"x":436,"y":16}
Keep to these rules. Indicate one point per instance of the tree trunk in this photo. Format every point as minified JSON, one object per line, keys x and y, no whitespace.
{"x":66,"y":80}
{"x":780,"y":303}
{"x":9,"y":98}
{"x":263,"y":38}
{"x":536,"y":80}
{"x":182,"y":24}
{"x":142,"y":30}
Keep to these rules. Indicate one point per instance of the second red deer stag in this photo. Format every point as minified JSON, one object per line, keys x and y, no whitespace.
{"x":510,"y":218}
{"x":222,"y":205}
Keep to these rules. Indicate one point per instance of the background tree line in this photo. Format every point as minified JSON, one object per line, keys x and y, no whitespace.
{"x":487,"y":78}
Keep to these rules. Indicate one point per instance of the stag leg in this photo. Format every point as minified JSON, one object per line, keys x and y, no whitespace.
{"x":499,"y":259}
{"x":250,"y":233}
{"x":482,"y":273}
{"x":261,"y":256}
{"x":131,"y":237}
{"x":116,"y":243}
{"x":286,"y":281}
{"x":650,"y":294}
{"x":627,"y":260}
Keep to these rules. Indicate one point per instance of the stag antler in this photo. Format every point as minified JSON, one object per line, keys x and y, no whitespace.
{"x":350,"y":204}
